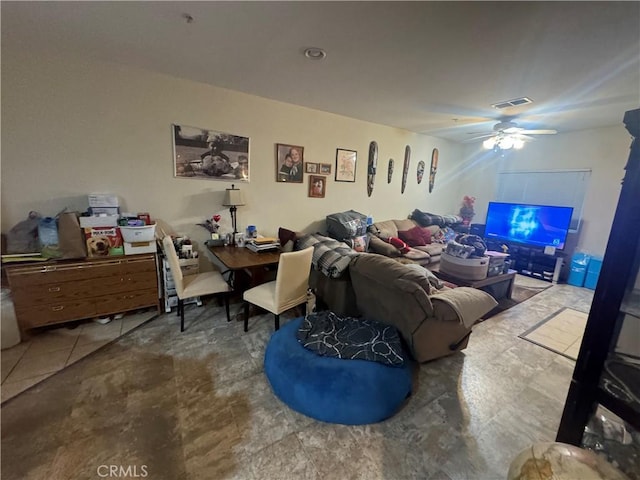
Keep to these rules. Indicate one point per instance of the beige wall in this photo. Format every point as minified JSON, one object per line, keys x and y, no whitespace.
{"x":72,"y":127}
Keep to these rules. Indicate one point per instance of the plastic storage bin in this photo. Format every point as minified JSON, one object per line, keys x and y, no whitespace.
{"x":578,"y":270}
{"x":139,"y":239}
{"x":593,"y":272}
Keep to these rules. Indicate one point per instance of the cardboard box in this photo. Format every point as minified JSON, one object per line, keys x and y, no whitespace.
{"x":103,"y":241}
{"x":103,"y":200}
{"x":99,"y":221}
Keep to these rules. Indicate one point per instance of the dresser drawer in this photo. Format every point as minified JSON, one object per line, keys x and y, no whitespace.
{"x":62,"y":272}
{"x":38,"y":315}
{"x":122,"y":302}
{"x":123,"y":283}
{"x":53,"y":292}
{"x":139,"y":263}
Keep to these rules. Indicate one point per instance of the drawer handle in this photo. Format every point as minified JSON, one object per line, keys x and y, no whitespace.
{"x":54,"y":289}
{"x":58,"y":308}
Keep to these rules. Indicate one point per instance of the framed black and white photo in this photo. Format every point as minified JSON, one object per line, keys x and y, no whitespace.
{"x":346,"y":165}
{"x":325,"y":168}
{"x":310,"y":167}
{"x":289,"y":163}
{"x":208,"y":154}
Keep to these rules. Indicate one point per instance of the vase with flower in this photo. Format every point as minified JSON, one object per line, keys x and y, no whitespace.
{"x":467,"y":211}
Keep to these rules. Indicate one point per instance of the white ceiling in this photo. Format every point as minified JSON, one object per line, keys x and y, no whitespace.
{"x":429,"y":67}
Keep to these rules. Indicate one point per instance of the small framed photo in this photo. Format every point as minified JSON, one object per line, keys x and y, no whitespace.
{"x":346,"y":165}
{"x":289,"y":162}
{"x":317,"y":186}
{"x":310,"y":167}
{"x":325,"y":168}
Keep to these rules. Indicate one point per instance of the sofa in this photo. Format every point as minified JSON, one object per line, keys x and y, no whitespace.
{"x":380,"y":234}
{"x":434,"y":322}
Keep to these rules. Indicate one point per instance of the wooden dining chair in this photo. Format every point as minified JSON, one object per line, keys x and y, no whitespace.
{"x":196,"y":285}
{"x":288,"y":290}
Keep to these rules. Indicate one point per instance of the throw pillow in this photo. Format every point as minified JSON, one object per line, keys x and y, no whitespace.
{"x":399,"y":244}
{"x":415,"y":237}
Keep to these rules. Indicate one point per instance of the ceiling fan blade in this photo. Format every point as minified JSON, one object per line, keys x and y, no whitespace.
{"x":481,"y":133}
{"x":480,"y":137}
{"x":512,"y":130}
{"x":539,"y":132}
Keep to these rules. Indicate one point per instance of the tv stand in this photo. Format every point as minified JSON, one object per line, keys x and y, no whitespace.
{"x":531,"y":261}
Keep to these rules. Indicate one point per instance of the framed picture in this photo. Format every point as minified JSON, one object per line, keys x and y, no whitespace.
{"x":325,"y":168}
{"x":317,"y":186}
{"x":310,"y":167}
{"x":202,"y":153}
{"x":346,"y":165}
{"x":289,"y":161}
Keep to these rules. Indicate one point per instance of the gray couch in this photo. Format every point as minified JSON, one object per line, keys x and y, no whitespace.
{"x":380,"y":232}
{"x":433,"y":322}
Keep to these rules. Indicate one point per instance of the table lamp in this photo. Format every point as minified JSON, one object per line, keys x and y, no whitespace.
{"x":233,"y":198}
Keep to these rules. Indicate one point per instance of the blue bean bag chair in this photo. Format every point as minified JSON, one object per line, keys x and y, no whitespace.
{"x":350,"y":392}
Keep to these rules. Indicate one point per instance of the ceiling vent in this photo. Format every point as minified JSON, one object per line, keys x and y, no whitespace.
{"x":516,"y":102}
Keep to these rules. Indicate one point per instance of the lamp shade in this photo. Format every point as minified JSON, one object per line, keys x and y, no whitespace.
{"x":233,"y":197}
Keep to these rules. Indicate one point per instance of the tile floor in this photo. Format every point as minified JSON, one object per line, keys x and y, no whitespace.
{"x":561,"y":333}
{"x":197,"y":405}
{"x":51,"y":350}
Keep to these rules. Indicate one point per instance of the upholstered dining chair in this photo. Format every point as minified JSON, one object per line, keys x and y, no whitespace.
{"x":196,"y":285}
{"x":288,"y":290}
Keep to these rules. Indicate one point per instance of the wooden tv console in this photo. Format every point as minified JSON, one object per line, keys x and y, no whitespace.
{"x":62,"y":291}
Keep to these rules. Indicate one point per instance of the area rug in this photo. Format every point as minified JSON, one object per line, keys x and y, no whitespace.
{"x":561,"y":332}
{"x":523,"y":289}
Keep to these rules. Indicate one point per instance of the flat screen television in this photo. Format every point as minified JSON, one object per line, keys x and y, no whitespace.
{"x":537,"y":225}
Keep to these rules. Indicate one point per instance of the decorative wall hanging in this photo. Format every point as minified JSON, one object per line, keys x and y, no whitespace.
{"x":433,"y":169}
{"x":405,"y":167}
{"x":325,"y":168}
{"x":390,"y":170}
{"x":207,"y":154}
{"x":346,"y":165}
{"x":372,"y":165}
{"x":420,"y":171}
{"x":289,"y":161}
{"x":317,"y":186}
{"x":311,"y":167}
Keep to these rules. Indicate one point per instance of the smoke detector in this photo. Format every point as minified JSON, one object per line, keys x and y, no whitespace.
{"x":315,"y":53}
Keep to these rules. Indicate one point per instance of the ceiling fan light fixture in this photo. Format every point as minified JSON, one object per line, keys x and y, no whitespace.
{"x":518,"y":143}
{"x":506,"y":142}
{"x":489,"y":143}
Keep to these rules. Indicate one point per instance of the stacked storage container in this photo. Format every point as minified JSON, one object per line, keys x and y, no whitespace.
{"x":593,"y":272}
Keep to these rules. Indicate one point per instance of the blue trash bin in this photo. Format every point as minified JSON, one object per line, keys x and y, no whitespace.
{"x":578,"y":270}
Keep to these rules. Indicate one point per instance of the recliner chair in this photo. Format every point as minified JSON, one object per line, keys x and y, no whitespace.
{"x":433,"y":323}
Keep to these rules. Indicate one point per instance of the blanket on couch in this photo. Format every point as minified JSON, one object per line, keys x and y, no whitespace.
{"x":330,"y":256}
{"x":329,"y":335}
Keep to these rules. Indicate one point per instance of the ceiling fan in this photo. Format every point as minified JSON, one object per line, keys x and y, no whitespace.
{"x":506,"y":135}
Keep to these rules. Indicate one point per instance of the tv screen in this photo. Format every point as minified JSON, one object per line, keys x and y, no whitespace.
{"x":539,"y":225}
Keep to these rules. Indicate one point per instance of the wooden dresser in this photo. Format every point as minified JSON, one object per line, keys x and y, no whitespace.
{"x":61,"y":291}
